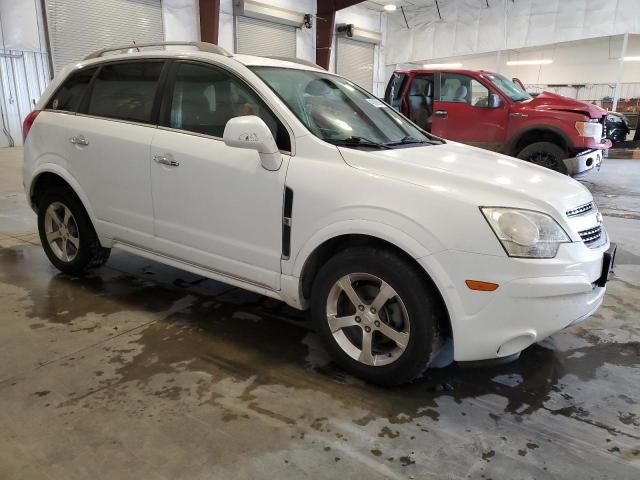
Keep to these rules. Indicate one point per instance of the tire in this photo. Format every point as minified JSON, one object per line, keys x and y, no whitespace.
{"x":545,"y":154}
{"x":363,"y":268}
{"x":74,"y":249}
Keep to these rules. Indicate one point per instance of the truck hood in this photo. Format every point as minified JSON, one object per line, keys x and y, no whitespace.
{"x":474,"y":175}
{"x":552,"y":101}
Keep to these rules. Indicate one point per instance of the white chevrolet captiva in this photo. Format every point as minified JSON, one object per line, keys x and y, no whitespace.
{"x":276,"y":176}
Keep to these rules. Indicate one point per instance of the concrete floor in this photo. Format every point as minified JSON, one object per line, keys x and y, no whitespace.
{"x":142,"y":371}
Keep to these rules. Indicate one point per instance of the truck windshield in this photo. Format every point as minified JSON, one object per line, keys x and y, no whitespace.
{"x":510,"y":89}
{"x":339,"y":112}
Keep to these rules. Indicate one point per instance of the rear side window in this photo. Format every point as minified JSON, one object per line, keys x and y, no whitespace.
{"x":68,"y":97}
{"x":125,"y":91}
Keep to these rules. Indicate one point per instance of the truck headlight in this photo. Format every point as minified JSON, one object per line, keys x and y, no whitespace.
{"x":525,"y":233}
{"x":589,"y":129}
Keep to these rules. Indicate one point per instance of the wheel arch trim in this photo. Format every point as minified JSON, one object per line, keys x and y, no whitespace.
{"x":69,"y":179}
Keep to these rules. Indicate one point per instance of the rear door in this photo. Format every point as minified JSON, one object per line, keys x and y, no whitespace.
{"x":461,"y":112}
{"x":110,"y":139}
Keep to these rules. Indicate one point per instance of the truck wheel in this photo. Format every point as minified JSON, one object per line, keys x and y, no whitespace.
{"x":545,"y":154}
{"x":376,"y":314}
{"x":66,"y":233}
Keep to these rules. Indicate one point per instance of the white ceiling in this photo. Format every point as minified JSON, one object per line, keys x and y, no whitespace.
{"x":379,"y":4}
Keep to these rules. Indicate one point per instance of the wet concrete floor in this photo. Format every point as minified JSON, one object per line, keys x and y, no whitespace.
{"x":143,"y":371}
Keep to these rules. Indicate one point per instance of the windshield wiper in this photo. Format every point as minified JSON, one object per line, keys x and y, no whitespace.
{"x":411,"y":140}
{"x":358,"y":142}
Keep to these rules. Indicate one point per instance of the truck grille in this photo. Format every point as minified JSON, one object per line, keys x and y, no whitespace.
{"x":591,"y":236}
{"x":581,"y":210}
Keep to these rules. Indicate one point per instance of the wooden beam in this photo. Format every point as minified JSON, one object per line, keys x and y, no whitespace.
{"x":209,"y":20}
{"x":325,"y":26}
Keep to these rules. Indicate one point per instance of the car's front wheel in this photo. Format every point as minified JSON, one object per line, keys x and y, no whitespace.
{"x":377,"y":315}
{"x":545,"y":154}
{"x":66,"y":233}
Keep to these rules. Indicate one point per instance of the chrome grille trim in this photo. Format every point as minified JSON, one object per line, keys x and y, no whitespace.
{"x":581,"y":210}
{"x":591,"y":235}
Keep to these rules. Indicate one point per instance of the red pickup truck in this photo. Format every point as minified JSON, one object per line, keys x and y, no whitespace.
{"x":488,"y":110}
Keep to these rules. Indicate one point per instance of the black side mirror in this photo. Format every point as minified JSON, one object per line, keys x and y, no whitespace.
{"x":495,"y":100}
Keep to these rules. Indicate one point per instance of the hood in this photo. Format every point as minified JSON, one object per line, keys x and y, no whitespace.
{"x":552,"y":101}
{"x":474,"y":175}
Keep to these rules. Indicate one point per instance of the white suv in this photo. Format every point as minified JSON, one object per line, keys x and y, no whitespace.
{"x":281,"y":178}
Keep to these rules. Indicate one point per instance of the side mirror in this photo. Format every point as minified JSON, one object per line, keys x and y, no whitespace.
{"x":252,"y":133}
{"x":495,"y":100}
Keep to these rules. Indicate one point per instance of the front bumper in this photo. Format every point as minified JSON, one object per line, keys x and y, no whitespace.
{"x":535,"y":298}
{"x":584,"y":162}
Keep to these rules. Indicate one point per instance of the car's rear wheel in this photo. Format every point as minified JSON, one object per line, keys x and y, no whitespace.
{"x":66,"y":233}
{"x":545,"y":154}
{"x":377,"y":315}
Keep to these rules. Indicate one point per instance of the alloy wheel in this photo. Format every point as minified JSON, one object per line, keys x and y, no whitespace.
{"x":61,"y":231}
{"x":368,"y":319}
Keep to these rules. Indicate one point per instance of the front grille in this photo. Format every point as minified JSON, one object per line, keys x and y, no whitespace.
{"x":603,"y":122}
{"x":591,"y":236}
{"x":581,"y":210}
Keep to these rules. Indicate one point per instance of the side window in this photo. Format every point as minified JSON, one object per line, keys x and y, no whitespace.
{"x":69,"y":95}
{"x":479,"y":94}
{"x":125,"y":91}
{"x":205,"y":98}
{"x":464,"y":89}
{"x":393,"y":95}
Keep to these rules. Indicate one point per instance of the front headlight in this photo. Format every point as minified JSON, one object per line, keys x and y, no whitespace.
{"x":525,"y":233}
{"x":589,"y":129}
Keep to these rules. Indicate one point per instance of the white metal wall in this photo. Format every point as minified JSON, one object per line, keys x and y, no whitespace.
{"x":258,"y":37}
{"x":79,"y":27}
{"x":354,"y":60}
{"x":23,"y":77}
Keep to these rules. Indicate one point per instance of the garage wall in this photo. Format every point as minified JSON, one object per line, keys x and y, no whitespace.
{"x":79,"y":27}
{"x":369,"y":19}
{"x":469,"y":27}
{"x":305,"y":38}
{"x":24,"y":66}
{"x":180,"y":20}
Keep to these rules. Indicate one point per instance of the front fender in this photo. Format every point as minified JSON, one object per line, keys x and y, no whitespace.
{"x":372,"y":228}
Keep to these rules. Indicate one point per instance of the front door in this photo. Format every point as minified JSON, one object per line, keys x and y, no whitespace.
{"x":216,"y":206}
{"x":461,"y":113}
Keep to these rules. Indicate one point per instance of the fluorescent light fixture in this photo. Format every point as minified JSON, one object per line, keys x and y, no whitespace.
{"x":631,"y":59}
{"x":390,"y":7}
{"x":546,"y":61}
{"x":442,"y":65}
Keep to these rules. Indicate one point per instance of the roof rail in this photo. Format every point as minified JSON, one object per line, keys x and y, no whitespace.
{"x":297,"y":60}
{"x":202,"y":46}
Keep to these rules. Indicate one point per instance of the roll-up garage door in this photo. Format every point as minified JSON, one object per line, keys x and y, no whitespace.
{"x":258,"y":37}
{"x":354,"y":60}
{"x":79,"y":27}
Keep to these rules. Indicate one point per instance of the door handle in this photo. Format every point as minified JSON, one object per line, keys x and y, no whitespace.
{"x":166,"y":159}
{"x":79,"y":140}
{"x":441,"y":113}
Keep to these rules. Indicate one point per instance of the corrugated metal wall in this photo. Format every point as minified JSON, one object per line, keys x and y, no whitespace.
{"x":23,"y":77}
{"x":354,"y":60}
{"x":79,"y":27}
{"x":258,"y":37}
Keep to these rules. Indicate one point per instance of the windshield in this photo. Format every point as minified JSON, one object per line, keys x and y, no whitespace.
{"x":339,"y":112}
{"x":510,"y":89}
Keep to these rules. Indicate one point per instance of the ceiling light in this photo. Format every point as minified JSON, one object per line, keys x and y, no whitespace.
{"x":442,"y":65}
{"x":390,"y":7}
{"x":631,"y":59}
{"x":530,"y":62}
